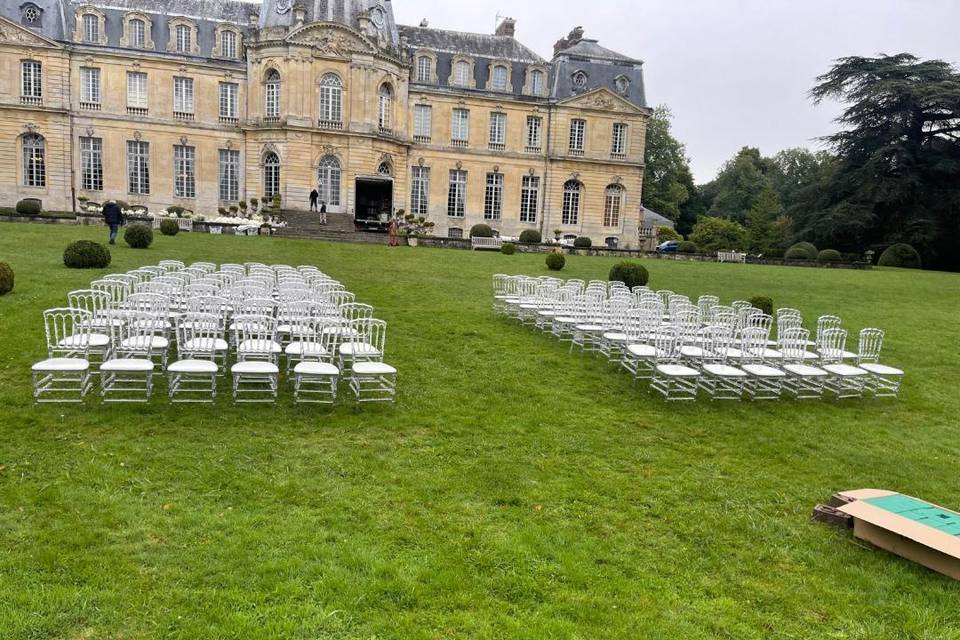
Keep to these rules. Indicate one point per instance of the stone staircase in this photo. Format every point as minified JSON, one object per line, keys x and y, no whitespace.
{"x":339,"y":228}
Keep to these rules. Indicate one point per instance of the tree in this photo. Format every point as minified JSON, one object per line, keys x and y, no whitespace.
{"x":739,"y":184}
{"x":665,"y":234}
{"x":665,"y":188}
{"x":764,"y":234}
{"x":898,"y":155}
{"x":718,"y":234}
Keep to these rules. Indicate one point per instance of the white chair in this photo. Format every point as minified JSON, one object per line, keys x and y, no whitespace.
{"x":64,"y":376}
{"x":720,"y":380}
{"x":98,"y":305}
{"x":256,"y":374}
{"x":846,"y":381}
{"x":200,"y":351}
{"x":315,"y":377}
{"x":373,"y":382}
{"x":367,"y":346}
{"x":805,"y":380}
{"x":671,"y":379}
{"x":885,"y":381}
{"x":128,"y":375}
{"x":766,"y":381}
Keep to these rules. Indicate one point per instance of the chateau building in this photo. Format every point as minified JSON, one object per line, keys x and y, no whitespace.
{"x":203,"y":103}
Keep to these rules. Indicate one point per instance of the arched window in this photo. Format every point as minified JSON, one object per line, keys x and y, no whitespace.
{"x":137,"y":33}
{"x":184,"y":38}
{"x":572,"y":195}
{"x":331,"y":98}
{"x":328,"y":181}
{"x":34,"y":167}
{"x":536,"y":82}
{"x":499,"y":78}
{"x":271,"y":175}
{"x":424,"y":69}
{"x":386,"y":108}
{"x":91,"y":28}
{"x":461,"y":75}
{"x":271,"y":94}
{"x":384,"y":169}
{"x":612,"y":206}
{"x":228,"y":44}
{"x":31,"y":15}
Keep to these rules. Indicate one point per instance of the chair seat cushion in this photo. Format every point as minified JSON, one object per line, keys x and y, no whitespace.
{"x":256,"y":368}
{"x":373,"y":369}
{"x":145,"y":342}
{"x":205,"y":344}
{"x":642,"y":351}
{"x":763,"y":371}
{"x":358,"y":349}
{"x":881,"y":370}
{"x":305,"y":348}
{"x":316,"y":369}
{"x":89,"y":340}
{"x":127,"y":365}
{"x":691,"y":352}
{"x":565,"y":320}
{"x":343,"y":332}
{"x":62,"y":364}
{"x":546,"y":313}
{"x":193,"y":366}
{"x":615,"y":336}
{"x":805,"y":371}
{"x":845,"y":370}
{"x":724,"y":371}
{"x":592,"y":328}
{"x":772,"y":354}
{"x":258,"y":346}
{"x":677,"y":371}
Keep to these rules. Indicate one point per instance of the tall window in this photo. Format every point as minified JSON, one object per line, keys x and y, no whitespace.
{"x":386,"y":107}
{"x":229,"y":175}
{"x":271,"y":175}
{"x":183,"y":95}
{"x":89,"y":86}
{"x":91,"y":28}
{"x":424,"y":69}
{"x":184,"y":35}
{"x":619,"y":146}
{"x":34,"y":167}
{"x":271,"y":94}
{"x":499,"y":78}
{"x":423,"y":121}
{"x":460,"y":127}
{"x":138,"y":167}
{"x":529,"y":198}
{"x":420,"y":191}
{"x":184,"y":172}
{"x":536,"y":82}
{"x":498,"y":130}
{"x":31,"y":75}
{"x":457,"y":194}
{"x":577,"y":130}
{"x":137,"y":33}
{"x":228,"y":44}
{"x":493,"y":197}
{"x":612,"y":206}
{"x":572,"y":194}
{"x":91,"y":164}
{"x":137,"y":97}
{"x":461,"y":74}
{"x":534,"y":133}
{"x":328,"y":180}
{"x":331,"y":98}
{"x":229,"y":102}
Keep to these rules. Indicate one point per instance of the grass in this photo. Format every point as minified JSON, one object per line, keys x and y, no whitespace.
{"x":514,"y":491}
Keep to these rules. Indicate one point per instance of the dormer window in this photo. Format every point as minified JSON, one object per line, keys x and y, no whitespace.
{"x":579,"y":80}
{"x":184,"y":38}
{"x":228,"y":44}
{"x":462,"y":73}
{"x":31,"y":16}
{"x":91,"y":28}
{"x":424,"y":69}
{"x":138,"y":33}
{"x":536,"y":82}
{"x":623,"y":85}
{"x":500,"y":78}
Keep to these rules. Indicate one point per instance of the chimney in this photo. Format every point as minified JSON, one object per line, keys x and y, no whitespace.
{"x":299,"y":15}
{"x":508,"y":27}
{"x":424,"y":24}
{"x":574,"y":37}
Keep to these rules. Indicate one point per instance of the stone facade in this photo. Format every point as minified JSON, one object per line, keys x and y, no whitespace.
{"x":202,"y":103}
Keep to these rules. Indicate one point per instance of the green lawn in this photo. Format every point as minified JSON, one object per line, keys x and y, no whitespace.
{"x":514,"y":491}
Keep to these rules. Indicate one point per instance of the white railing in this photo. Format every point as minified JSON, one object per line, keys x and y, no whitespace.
{"x":229,"y":120}
{"x":459,"y":143}
{"x":422,"y":139}
{"x":32,"y":100}
{"x":486,"y":243}
{"x":497,"y":146}
{"x":333,"y":125}
{"x":137,"y":111}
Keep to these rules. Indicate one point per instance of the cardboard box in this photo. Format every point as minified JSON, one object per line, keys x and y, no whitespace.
{"x":908,"y":527}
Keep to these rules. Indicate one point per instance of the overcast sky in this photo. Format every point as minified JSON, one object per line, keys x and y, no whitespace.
{"x":734,"y":72}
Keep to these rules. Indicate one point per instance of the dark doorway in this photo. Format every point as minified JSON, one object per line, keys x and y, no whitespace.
{"x":374,"y":205}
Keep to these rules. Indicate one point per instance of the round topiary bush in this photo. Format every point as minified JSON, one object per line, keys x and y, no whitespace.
{"x":138,"y":236}
{"x":29,"y":207}
{"x":900,"y":255}
{"x":688,"y":247}
{"x":796,"y":253}
{"x":583,"y":242}
{"x":809,"y":251}
{"x":530,"y":236}
{"x":632,"y":274}
{"x":169,"y":227}
{"x":763,"y":303}
{"x":830,"y":255}
{"x":84,"y":254}
{"x":481,"y":231}
{"x":508,"y":249}
{"x":6,"y":279}
{"x":556,"y":261}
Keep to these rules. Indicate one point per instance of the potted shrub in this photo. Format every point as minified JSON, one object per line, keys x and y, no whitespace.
{"x":556,"y":234}
{"x":414,"y":228}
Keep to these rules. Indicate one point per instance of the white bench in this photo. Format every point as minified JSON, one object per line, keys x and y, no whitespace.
{"x":486,"y":243}
{"x":731,"y":256}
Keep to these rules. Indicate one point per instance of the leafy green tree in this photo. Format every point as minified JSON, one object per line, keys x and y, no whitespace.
{"x":739,"y":184}
{"x":719,"y":234}
{"x":665,"y":234}
{"x":762,"y":221}
{"x":667,"y":178}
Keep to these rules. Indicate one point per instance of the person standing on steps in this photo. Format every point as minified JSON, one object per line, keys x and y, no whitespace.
{"x":323,"y":213}
{"x":113,"y":216}
{"x":314,"y":197}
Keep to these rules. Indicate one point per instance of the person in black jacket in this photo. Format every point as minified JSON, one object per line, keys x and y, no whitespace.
{"x":114,"y":218}
{"x":314,"y":197}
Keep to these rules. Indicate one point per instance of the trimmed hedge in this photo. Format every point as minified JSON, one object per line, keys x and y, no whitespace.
{"x":481,"y":231}
{"x":84,"y":254}
{"x":6,"y":279}
{"x":583,"y":242}
{"x":902,"y":256}
{"x":556,"y":261}
{"x":169,"y":227}
{"x":508,"y":249}
{"x":688,"y":247}
{"x":763,"y":303}
{"x":530,"y":236}
{"x":809,"y":251}
{"x":138,"y":236}
{"x":29,"y":207}
{"x":797,"y":253}
{"x":632,"y":274}
{"x":830,"y":255}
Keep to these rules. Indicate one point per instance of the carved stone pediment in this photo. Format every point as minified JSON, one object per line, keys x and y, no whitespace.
{"x":333,"y":40}
{"x":602,"y":100}
{"x":12,"y":33}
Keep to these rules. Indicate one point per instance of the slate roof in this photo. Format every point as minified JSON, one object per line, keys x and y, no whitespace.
{"x":591,"y":49}
{"x":653,"y":219}
{"x":477,"y":45}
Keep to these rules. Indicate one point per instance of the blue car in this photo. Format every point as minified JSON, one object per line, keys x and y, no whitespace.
{"x":670,"y":246}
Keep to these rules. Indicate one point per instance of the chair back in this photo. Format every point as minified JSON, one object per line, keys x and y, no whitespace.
{"x":67,"y":332}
